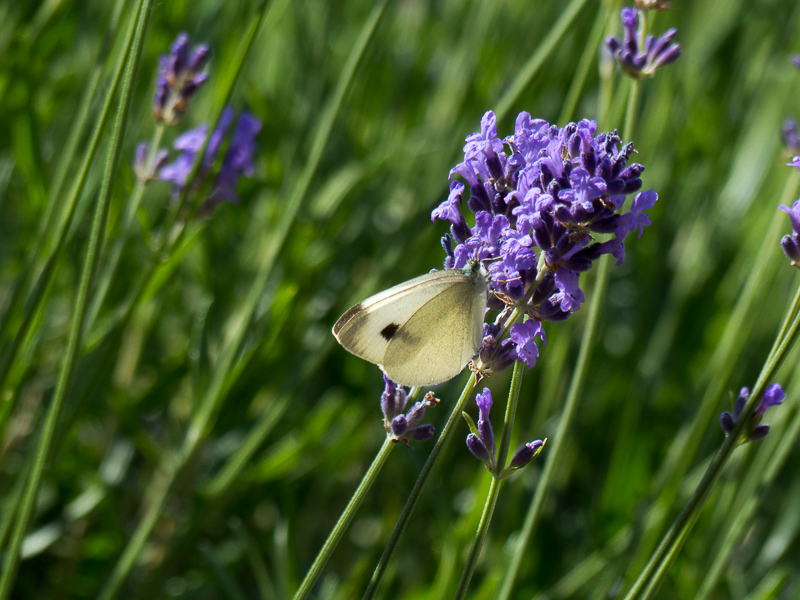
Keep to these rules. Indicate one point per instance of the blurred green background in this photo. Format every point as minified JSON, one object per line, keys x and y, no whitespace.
{"x":299,"y":419}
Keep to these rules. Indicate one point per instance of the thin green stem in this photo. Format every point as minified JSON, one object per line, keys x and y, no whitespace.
{"x":548,"y":45}
{"x":133,"y":52}
{"x":588,"y":58}
{"x":494,"y":489}
{"x":131,"y":207}
{"x":416,"y":492}
{"x":480,"y":536}
{"x":33,"y":302}
{"x":344,"y":520}
{"x":553,"y":455}
{"x":656,"y":568}
{"x":632,"y":111}
{"x":511,"y":413}
{"x":759,"y":478}
{"x":76,"y":132}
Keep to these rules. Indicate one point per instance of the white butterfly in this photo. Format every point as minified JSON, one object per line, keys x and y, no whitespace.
{"x":422,"y":331}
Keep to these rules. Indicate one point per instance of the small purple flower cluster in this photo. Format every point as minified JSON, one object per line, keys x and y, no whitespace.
{"x":179,"y":77}
{"x":237,"y":161}
{"x":481,"y":440}
{"x":755,"y":430}
{"x":791,"y":243}
{"x":552,"y":191}
{"x":405,"y":427}
{"x":641,"y":57}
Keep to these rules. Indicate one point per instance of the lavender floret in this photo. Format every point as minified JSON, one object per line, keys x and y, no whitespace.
{"x":405,"y":427}
{"x":791,"y":243}
{"x":179,"y":78}
{"x":641,"y":57}
{"x":755,"y":430}
{"x":237,"y":162}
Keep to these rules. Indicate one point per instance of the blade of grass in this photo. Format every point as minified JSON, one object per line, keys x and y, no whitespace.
{"x":133,"y":52}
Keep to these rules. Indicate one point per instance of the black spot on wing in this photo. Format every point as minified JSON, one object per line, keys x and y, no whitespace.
{"x":389,"y":331}
{"x":346,"y":317}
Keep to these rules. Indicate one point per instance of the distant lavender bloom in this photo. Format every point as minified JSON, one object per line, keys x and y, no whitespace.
{"x":773,"y":396}
{"x":641,"y":58}
{"x":791,"y":243}
{"x":537,"y":206}
{"x":791,"y":136}
{"x":144,"y":171}
{"x":179,"y":77}
{"x":238,"y":159}
{"x":796,"y":61}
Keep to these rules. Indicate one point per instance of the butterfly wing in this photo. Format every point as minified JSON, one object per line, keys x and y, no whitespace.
{"x":367,"y":329}
{"x":442,"y":335}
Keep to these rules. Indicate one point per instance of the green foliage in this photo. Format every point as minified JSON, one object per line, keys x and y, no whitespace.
{"x":212,"y":431}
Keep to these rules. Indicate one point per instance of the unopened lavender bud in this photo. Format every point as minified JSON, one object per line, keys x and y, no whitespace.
{"x":421,"y":433}
{"x":416,"y":414}
{"x":791,"y":136}
{"x":180,"y":52}
{"x":477,"y":448}
{"x":486,"y":434}
{"x":399,"y":425}
{"x":791,"y":247}
{"x":526,"y":454}
{"x":760,"y":432}
{"x":726,"y":422}
{"x":199,"y":58}
{"x":178,"y":79}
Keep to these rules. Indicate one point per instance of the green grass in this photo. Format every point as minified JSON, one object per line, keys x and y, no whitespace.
{"x":211,"y":431}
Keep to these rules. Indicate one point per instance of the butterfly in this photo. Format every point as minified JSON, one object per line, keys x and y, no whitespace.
{"x":422,"y":331}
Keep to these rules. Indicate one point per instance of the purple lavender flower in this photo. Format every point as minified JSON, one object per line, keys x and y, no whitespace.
{"x":791,"y":136}
{"x":791,"y":243}
{"x":238,"y":159}
{"x":179,"y":77}
{"x":145,"y":171}
{"x":773,"y":396}
{"x":405,"y":427}
{"x":526,"y":454}
{"x":641,"y":57}
{"x":538,"y":206}
{"x":524,"y":337}
{"x":480,"y":440}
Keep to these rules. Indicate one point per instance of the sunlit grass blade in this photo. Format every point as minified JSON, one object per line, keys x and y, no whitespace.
{"x":35,"y":296}
{"x":129,"y":58}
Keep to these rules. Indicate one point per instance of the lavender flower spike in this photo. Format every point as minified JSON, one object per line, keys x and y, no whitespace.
{"x":791,"y":136}
{"x":754,"y":430}
{"x":179,"y":77}
{"x":405,"y":427}
{"x":540,"y":199}
{"x":640,"y":57}
{"x":238,"y":159}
